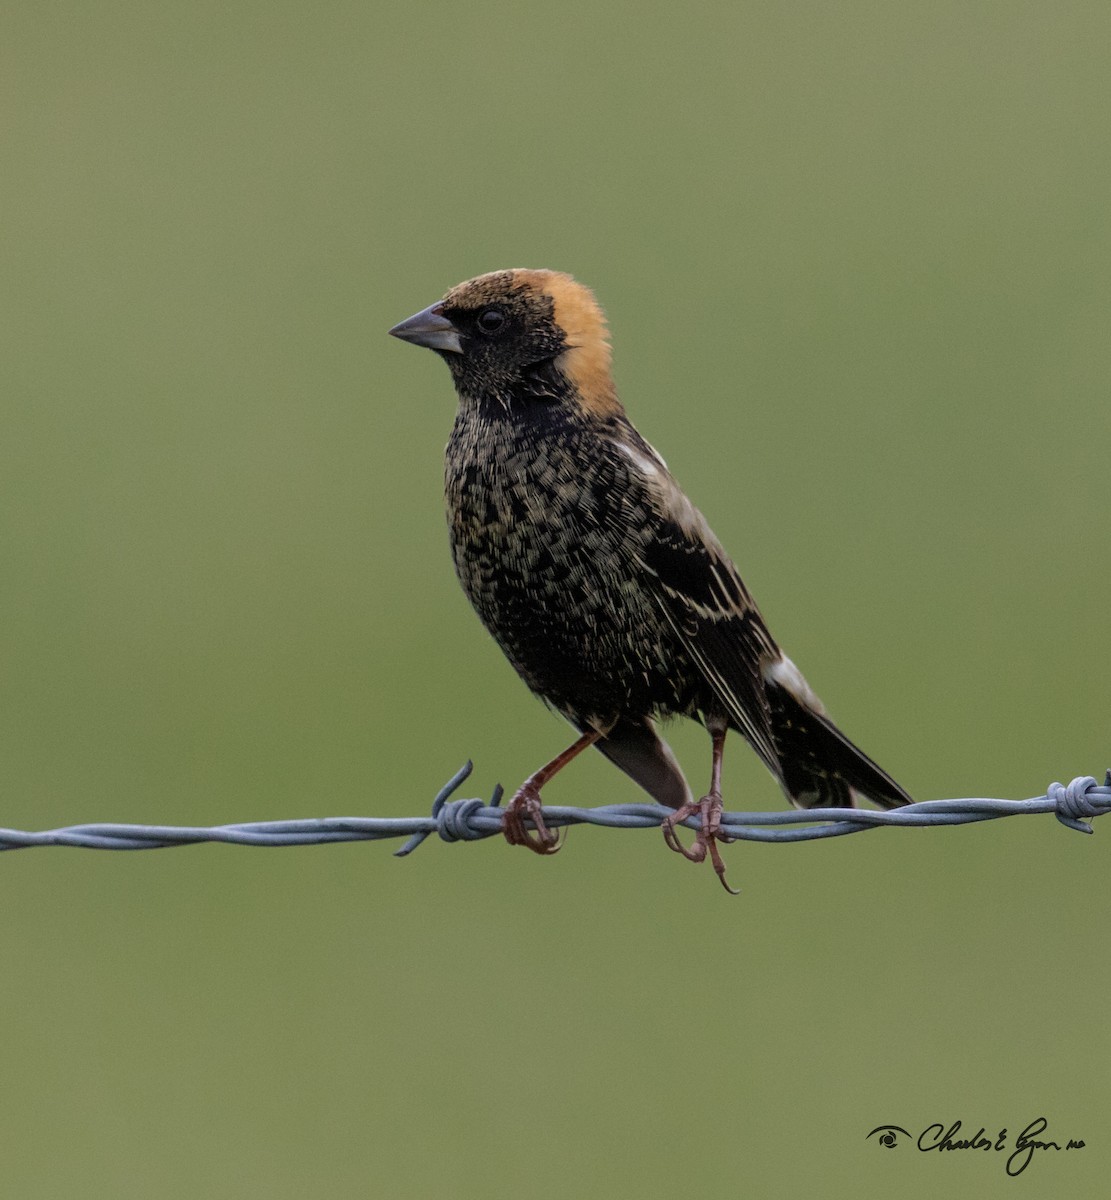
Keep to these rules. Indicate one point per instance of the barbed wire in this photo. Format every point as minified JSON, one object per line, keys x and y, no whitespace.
{"x":471,"y":819}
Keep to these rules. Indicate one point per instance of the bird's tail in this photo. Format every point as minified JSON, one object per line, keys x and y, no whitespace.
{"x":820,"y":767}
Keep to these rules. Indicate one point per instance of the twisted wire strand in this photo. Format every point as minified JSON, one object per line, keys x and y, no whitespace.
{"x":1073,"y":804}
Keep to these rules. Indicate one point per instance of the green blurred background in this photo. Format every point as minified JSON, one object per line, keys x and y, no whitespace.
{"x":855,"y":259}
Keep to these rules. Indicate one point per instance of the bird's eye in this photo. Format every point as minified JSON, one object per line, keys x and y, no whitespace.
{"x":490,"y":321}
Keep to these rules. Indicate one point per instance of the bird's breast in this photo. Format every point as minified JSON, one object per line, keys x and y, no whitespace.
{"x":547,"y":531}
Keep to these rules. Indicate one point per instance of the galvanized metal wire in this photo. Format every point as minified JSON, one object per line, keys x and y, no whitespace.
{"x":1073,"y":804}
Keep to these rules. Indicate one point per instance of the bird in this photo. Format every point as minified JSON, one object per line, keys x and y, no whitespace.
{"x":602,"y":583}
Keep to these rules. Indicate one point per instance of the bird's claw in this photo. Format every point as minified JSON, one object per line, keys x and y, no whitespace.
{"x":540,"y":839}
{"x":707,"y":839}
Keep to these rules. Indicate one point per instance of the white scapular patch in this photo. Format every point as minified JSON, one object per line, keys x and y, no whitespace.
{"x":784,"y":672}
{"x":646,"y":464}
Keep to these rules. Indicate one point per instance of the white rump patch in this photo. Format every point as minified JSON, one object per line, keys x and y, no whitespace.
{"x":784,"y":673}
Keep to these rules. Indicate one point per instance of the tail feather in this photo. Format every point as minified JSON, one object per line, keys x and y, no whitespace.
{"x":636,"y":747}
{"x":820,"y":767}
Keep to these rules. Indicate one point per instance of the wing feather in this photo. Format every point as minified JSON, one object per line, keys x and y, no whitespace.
{"x":705,"y":602}
{"x":717,"y":622}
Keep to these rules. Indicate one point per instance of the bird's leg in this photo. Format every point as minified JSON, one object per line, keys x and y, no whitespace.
{"x":526,"y":802}
{"x":709,"y":809}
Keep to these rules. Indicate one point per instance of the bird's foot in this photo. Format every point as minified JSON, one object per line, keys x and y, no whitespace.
{"x":526,"y":803}
{"x":708,"y":837}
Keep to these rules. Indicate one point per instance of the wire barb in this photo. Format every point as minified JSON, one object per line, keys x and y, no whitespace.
{"x":1073,"y":805}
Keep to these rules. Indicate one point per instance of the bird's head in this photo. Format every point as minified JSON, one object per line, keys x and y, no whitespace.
{"x":519,"y":338}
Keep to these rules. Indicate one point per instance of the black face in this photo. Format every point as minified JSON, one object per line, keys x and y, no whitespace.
{"x":507,"y":345}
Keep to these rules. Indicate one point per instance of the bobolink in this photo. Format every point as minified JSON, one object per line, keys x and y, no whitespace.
{"x":601,"y":582}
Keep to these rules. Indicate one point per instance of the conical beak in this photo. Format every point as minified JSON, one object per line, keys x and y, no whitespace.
{"x":430,"y":328}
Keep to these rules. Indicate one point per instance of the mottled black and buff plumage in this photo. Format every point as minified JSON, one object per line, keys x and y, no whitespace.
{"x":603,"y":584}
